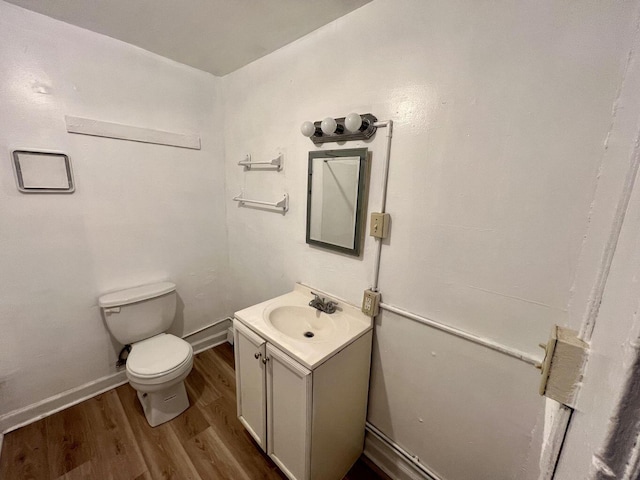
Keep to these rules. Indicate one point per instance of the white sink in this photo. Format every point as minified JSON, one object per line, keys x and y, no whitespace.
{"x":305,"y":323}
{"x":284,"y":320}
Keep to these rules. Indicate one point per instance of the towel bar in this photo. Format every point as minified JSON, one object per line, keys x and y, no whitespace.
{"x":283,"y":204}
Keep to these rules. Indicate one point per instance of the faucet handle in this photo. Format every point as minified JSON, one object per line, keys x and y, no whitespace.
{"x":315,"y":301}
{"x":330,"y":306}
{"x":316,"y":295}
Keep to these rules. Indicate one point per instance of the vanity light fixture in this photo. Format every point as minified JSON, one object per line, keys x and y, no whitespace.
{"x":352,"y":127}
{"x":354,"y":123}
{"x":329,"y":126}
{"x":308,"y":129}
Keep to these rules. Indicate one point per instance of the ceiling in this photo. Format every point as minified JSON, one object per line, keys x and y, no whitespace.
{"x":217,"y":36}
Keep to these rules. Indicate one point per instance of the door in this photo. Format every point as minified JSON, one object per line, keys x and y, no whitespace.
{"x":289,"y":392}
{"x":249,"y":350}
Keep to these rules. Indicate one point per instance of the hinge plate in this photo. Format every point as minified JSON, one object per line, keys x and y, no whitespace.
{"x":565,"y":357}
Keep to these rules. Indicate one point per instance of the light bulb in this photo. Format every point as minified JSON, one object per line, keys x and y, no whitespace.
{"x":308,"y":129}
{"x":328,"y":125}
{"x":353,"y":122}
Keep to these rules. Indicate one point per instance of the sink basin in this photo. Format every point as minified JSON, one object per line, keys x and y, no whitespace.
{"x":305,"y":323}
{"x":284,"y":320}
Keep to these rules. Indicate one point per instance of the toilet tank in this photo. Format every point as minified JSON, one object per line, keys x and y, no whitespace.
{"x":141,"y":312}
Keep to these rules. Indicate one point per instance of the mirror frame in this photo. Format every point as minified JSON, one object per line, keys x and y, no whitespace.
{"x":363,"y":154}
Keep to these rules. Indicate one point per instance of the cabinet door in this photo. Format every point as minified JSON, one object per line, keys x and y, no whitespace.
{"x":288,"y":414}
{"x":250,"y":354}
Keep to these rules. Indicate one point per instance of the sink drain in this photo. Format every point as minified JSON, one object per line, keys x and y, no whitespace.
{"x":309,"y":334}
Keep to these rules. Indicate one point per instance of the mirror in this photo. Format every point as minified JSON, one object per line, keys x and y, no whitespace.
{"x":335,"y":199}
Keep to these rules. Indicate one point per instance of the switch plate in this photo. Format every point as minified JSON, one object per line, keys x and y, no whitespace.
{"x":379,"y":225}
{"x":371,"y":303}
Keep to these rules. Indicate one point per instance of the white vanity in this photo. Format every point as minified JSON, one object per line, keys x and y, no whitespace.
{"x":302,"y":379}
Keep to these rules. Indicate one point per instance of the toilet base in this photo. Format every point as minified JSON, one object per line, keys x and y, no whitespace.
{"x":164,"y":405}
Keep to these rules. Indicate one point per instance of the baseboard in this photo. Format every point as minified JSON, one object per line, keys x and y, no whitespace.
{"x":230,"y":334}
{"x":208,"y":337}
{"x":36,"y":411}
{"x":211,"y":336}
{"x":387,"y":459}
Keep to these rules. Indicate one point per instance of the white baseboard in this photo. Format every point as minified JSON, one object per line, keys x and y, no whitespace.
{"x":390,"y":461}
{"x":230,"y":334}
{"x":211,"y":336}
{"x":36,"y":411}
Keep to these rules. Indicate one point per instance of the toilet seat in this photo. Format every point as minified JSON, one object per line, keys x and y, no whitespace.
{"x":159,"y":359}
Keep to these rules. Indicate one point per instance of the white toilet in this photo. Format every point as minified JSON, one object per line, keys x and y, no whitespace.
{"x":158,"y":362}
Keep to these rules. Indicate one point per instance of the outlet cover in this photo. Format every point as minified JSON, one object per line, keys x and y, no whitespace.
{"x":371,"y":303}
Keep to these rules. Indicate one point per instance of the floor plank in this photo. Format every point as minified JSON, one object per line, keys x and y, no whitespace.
{"x":24,"y":454}
{"x":108,"y":437}
{"x":117,"y":455}
{"x":213,"y":458}
{"x":201,"y":392}
{"x":83,"y":472}
{"x":226,"y":353}
{"x":190,"y":424}
{"x":68,"y":444}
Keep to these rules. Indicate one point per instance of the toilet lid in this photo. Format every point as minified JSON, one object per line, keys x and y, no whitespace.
{"x":158,"y":355}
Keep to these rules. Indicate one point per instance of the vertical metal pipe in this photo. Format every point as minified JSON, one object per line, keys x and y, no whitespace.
{"x":376,"y":267}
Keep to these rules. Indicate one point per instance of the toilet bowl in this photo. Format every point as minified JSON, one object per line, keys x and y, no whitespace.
{"x":156,"y":369}
{"x":158,"y":363}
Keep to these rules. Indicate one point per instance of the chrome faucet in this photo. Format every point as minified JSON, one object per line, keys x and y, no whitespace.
{"x":322,"y":304}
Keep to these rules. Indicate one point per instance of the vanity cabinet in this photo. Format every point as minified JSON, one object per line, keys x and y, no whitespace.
{"x":311,"y":422}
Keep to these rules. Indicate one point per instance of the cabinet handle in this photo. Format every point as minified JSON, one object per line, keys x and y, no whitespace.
{"x":265,"y":360}
{"x":257,"y":355}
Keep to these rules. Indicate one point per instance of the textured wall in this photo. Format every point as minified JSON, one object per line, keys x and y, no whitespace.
{"x":511,"y":144}
{"x":502,"y":111}
{"x":141,"y":213}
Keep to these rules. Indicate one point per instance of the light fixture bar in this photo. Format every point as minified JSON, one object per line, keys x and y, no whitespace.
{"x":367,"y":130}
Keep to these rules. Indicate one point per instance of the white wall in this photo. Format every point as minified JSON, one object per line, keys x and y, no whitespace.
{"x":502,"y":114}
{"x":507,"y":164}
{"x":613,"y":351}
{"x":141,"y":213}
{"x":611,"y":256}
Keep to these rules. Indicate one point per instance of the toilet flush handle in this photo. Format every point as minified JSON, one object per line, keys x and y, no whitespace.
{"x":109,"y":311}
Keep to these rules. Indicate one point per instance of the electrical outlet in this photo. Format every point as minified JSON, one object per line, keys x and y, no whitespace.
{"x":371,"y":303}
{"x":379,"y":225}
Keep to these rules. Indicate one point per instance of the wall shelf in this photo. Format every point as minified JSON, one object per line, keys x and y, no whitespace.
{"x":247,"y":163}
{"x":119,"y":131}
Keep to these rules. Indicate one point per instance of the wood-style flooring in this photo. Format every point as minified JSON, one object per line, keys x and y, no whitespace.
{"x":107,"y":437}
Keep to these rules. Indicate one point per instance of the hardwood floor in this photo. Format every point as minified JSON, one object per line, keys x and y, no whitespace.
{"x":107,"y":437}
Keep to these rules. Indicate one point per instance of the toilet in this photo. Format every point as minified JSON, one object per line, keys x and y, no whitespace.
{"x":158,"y":362}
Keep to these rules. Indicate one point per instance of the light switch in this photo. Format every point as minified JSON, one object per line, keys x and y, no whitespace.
{"x":379,"y":225}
